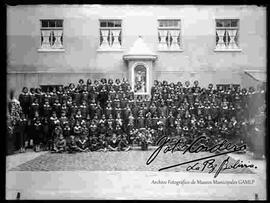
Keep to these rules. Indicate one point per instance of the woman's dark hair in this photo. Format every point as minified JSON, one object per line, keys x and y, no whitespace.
{"x":89,"y":82}
{"x":110,"y":81}
{"x":71,"y":85}
{"x":24,"y":88}
{"x":32,"y":90}
{"x":81,"y":81}
{"x":38,"y":89}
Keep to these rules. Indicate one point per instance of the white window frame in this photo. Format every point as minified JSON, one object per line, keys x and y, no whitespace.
{"x":225,"y":48}
{"x":107,"y":46}
{"x":167,"y":48}
{"x":51,"y":48}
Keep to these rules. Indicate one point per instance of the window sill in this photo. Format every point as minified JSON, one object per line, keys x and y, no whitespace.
{"x":227,"y":50}
{"x":110,"y":50}
{"x":170,"y":50}
{"x":51,"y":50}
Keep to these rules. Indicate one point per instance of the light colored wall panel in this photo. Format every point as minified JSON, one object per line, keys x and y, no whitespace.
{"x":81,"y":41}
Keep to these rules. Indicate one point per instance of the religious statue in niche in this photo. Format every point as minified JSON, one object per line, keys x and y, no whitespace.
{"x":140,"y":79}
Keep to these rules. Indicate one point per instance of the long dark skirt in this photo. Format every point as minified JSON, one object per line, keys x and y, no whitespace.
{"x":21,"y":136}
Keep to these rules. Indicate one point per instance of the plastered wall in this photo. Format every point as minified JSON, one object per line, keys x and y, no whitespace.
{"x":81,"y":58}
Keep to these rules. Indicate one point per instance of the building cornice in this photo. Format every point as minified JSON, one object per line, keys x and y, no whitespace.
{"x":128,"y":57}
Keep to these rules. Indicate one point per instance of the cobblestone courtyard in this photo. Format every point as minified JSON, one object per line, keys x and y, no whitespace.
{"x":125,"y":175}
{"x":134,"y":160}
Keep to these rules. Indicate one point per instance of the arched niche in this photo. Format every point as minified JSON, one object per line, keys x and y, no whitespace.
{"x":140,"y":78}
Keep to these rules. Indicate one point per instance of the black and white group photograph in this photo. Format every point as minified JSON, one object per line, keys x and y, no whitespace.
{"x":136,"y":102}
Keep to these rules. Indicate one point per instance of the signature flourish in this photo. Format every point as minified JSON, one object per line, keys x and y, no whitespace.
{"x":167,"y":144}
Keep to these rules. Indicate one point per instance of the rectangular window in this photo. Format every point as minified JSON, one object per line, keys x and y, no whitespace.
{"x":169,"y":34}
{"x":51,"y":34}
{"x":227,"y":34}
{"x":110,"y":34}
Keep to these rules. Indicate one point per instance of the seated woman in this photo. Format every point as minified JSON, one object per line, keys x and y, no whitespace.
{"x":83,"y":143}
{"x":102,"y":143}
{"x":77,"y":130}
{"x":71,"y":145}
{"x":60,"y":144}
{"x":113,"y":143}
{"x":57,"y":131}
{"x":144,"y":137}
{"x":123,"y":143}
{"x":93,"y":143}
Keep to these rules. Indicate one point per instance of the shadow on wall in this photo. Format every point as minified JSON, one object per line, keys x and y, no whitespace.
{"x":253,"y":80}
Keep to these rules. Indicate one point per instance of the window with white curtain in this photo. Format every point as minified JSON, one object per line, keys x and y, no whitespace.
{"x":51,"y":34}
{"x":169,"y":34}
{"x":227,"y":34}
{"x":110,"y":34}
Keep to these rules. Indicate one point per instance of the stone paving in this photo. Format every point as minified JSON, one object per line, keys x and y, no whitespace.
{"x":134,"y":160}
{"x":125,"y":175}
{"x":20,"y":158}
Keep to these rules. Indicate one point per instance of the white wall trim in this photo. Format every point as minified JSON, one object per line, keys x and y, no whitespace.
{"x":227,"y":50}
{"x":51,"y":50}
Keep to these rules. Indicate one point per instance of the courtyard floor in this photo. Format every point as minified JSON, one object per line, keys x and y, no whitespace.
{"x":125,"y":175}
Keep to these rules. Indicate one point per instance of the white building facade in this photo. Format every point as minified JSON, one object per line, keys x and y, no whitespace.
{"x":59,"y":44}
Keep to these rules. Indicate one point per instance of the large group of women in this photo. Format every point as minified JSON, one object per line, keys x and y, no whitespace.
{"x":107,"y":115}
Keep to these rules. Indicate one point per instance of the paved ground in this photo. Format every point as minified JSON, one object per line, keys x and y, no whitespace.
{"x":20,"y":158}
{"x":124,"y":175}
{"x":134,"y":160}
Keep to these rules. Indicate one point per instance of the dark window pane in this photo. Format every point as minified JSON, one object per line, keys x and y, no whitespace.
{"x":110,"y":24}
{"x":52,"y":23}
{"x":59,"y":23}
{"x":117,"y":23}
{"x":228,"y":23}
{"x":234,"y":23}
{"x":44,"y":23}
{"x":169,"y":23}
{"x":103,"y":24}
{"x":219,"y":23}
{"x":164,"y":23}
{"x":176,"y":22}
